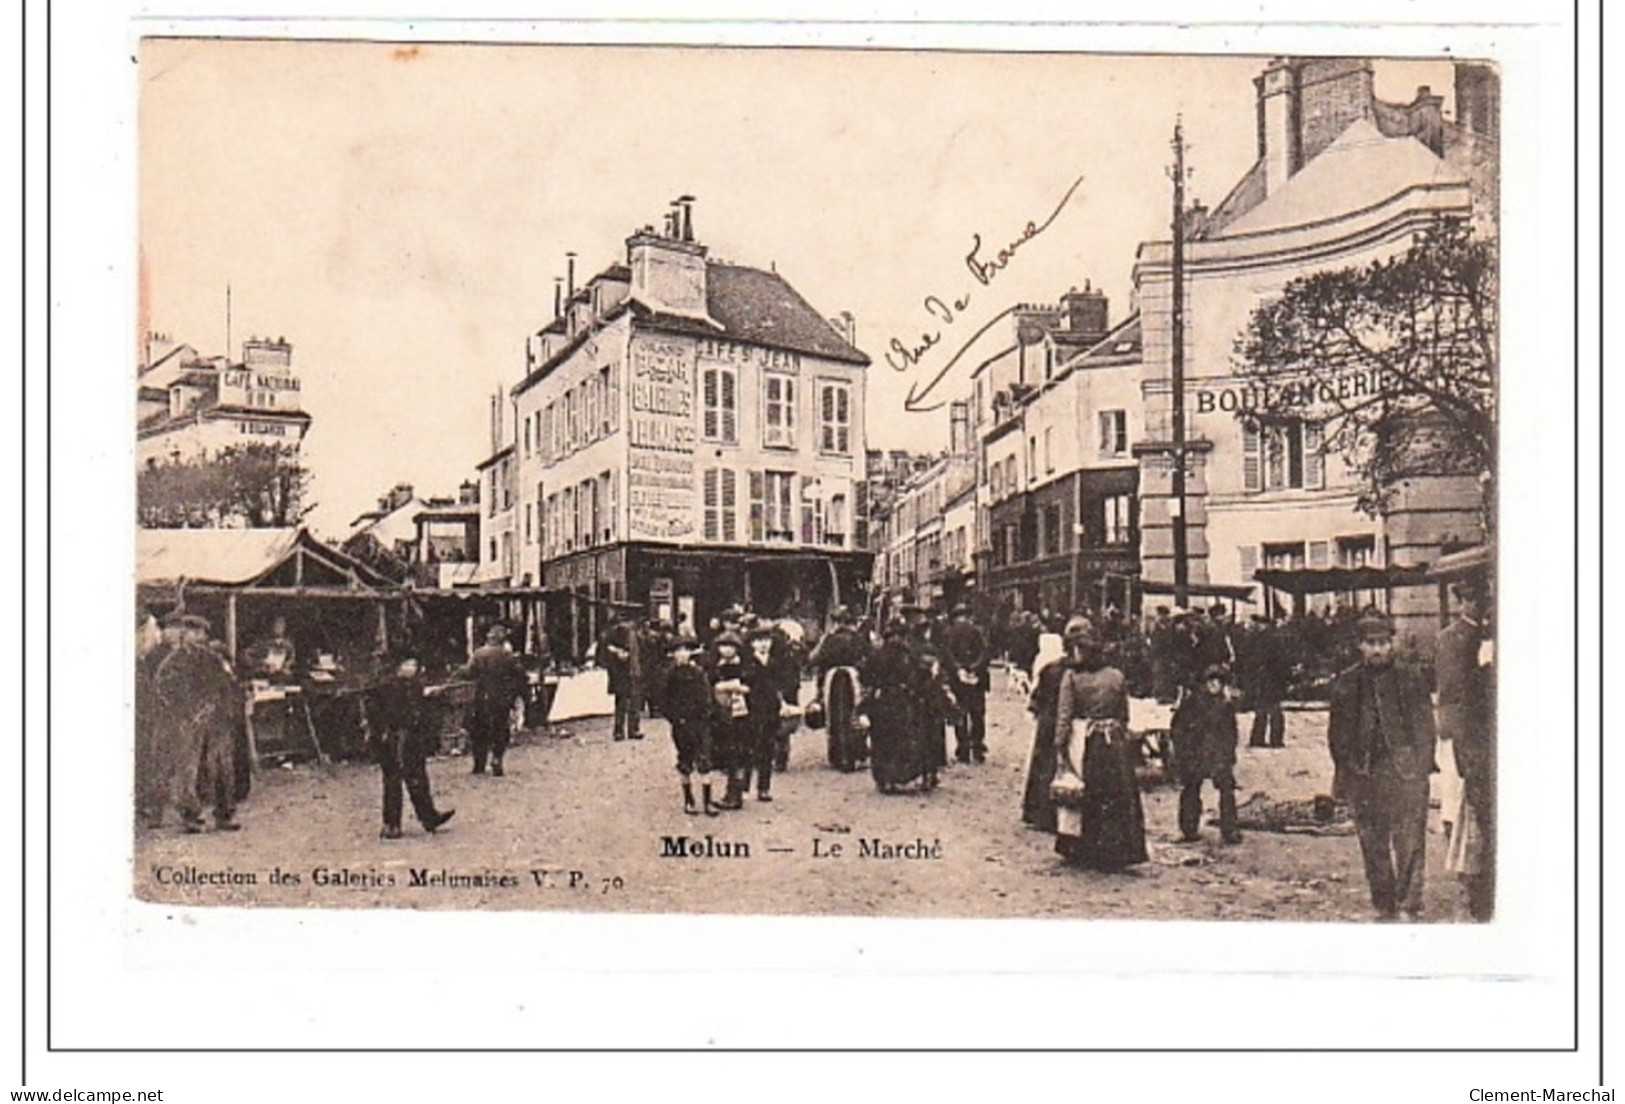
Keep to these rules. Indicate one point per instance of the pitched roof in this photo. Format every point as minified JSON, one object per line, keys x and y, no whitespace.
{"x":1359,"y":170}
{"x":762,"y":308}
{"x":230,"y":557}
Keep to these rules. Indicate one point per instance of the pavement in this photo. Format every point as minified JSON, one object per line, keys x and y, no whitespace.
{"x":585,"y":823}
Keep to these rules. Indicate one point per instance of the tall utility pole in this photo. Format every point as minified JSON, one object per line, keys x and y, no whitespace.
{"x":1182,"y":567}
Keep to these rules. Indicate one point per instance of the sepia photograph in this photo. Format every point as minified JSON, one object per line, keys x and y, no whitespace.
{"x":941,"y":484}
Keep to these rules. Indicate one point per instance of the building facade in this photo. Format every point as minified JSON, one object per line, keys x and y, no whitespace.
{"x":1342,"y":179}
{"x":1056,"y":414}
{"x":190,"y":407}
{"x":690,"y":434}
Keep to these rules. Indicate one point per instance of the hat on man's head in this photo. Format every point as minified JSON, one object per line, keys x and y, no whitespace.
{"x":762,"y":631}
{"x":728,"y":638}
{"x":681,"y":642}
{"x":961,"y":610}
{"x":180,"y":619}
{"x":1374,"y":625}
{"x":1215,"y":671}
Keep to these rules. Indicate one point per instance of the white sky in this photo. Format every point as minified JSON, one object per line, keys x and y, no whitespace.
{"x":399,"y":214}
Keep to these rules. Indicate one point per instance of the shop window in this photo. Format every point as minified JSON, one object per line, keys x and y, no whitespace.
{"x":834,"y":418}
{"x":778,"y":410}
{"x":720,"y":404}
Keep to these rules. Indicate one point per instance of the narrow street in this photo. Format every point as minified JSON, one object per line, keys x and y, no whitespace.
{"x":579,"y":823}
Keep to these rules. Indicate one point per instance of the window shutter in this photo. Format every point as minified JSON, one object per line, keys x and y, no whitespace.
{"x":843,"y":421}
{"x":712,"y":528}
{"x":758,"y":507}
{"x":1314,"y":459}
{"x":1248,"y":554}
{"x":612,"y":519}
{"x":1252,"y":471}
{"x":729,"y":399}
{"x":729,"y":507}
{"x":711,"y":403}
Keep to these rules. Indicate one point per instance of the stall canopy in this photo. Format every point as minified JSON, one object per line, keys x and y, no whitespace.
{"x":1338,"y":580}
{"x":1236,"y":592}
{"x":255,"y":558}
{"x":1460,"y":565}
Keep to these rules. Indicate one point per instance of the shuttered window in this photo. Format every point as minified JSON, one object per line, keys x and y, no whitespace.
{"x":606,"y":506}
{"x":719,"y":397}
{"x":729,"y":507}
{"x":711,"y":494}
{"x":1252,"y":470}
{"x":758,"y":507}
{"x":1314,"y":458}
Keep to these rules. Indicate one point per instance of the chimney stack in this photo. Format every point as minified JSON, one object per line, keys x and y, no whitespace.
{"x":1478,"y":98}
{"x":569,"y":276}
{"x":685,"y":210}
{"x":1086,"y":312}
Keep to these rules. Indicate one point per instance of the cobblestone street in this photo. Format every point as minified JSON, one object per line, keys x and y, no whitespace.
{"x":578,"y":823}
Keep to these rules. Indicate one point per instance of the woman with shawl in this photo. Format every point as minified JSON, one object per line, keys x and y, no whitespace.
{"x":1100,"y":822}
{"x":1037,"y":809}
{"x":895,"y":682}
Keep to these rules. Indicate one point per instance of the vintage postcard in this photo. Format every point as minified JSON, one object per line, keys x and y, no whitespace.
{"x":831,"y":482}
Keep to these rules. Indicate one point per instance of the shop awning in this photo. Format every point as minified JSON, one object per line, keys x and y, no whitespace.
{"x":1339,"y":580}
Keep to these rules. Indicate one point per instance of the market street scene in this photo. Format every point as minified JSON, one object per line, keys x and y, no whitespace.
{"x":758,"y":503}
{"x":583,"y":803}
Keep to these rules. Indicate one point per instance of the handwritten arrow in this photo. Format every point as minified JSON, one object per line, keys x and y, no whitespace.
{"x":917,"y":395}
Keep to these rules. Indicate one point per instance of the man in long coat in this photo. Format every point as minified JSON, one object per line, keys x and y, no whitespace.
{"x":1465,"y":680}
{"x":967,"y":655}
{"x":498,"y":679}
{"x":1381,"y":734}
{"x":198,"y":708}
{"x":620,"y":653}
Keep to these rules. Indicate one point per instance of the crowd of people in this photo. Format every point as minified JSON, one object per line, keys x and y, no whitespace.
{"x":733,"y":698}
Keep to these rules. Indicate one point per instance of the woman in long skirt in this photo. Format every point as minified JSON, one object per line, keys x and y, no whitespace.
{"x":1100,"y":821}
{"x":895,"y":709}
{"x":1037,"y":807}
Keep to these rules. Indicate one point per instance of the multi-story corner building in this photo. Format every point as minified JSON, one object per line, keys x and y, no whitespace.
{"x":1055,"y":414}
{"x":690,"y":435}
{"x":188,"y":406}
{"x":1342,"y":179}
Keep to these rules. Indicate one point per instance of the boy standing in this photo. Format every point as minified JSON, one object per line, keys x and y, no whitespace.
{"x":1204,"y":730}
{"x":686,"y":700}
{"x":403,"y":740}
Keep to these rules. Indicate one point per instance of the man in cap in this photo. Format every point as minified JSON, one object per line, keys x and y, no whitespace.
{"x":687,"y":703}
{"x":1381,"y":735}
{"x":1205,"y":736}
{"x":966,"y":650}
{"x":1465,"y":678}
{"x":620,"y":651}
{"x":198,"y":710}
{"x":498,"y":679}
{"x":403,"y":738}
